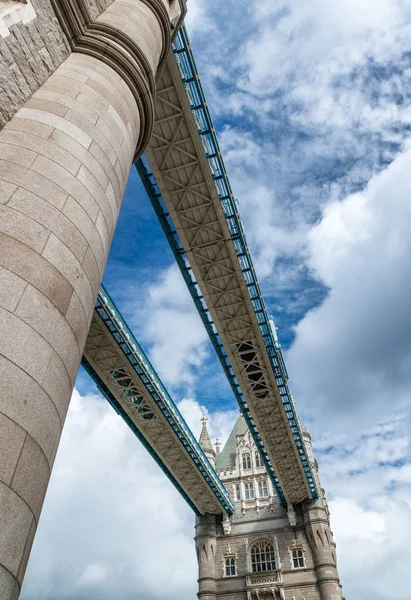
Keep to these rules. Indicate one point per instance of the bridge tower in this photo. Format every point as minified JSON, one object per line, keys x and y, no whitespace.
{"x":263,"y":551}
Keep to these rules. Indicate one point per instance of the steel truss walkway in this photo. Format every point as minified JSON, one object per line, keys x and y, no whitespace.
{"x":188,"y":186}
{"x":126,"y":378}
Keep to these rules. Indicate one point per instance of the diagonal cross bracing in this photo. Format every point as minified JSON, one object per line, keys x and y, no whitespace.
{"x":200,"y":217}
{"x":125,"y":376}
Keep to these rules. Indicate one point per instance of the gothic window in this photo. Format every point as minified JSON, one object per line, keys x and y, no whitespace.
{"x":298,"y":558}
{"x":237,"y":492}
{"x":249,"y":491}
{"x":262,"y":556}
{"x":246,"y":460}
{"x":262,"y":489}
{"x":230,"y":566}
{"x":258,"y":460}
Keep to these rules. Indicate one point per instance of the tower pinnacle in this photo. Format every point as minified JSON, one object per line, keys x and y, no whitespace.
{"x":205,"y":441}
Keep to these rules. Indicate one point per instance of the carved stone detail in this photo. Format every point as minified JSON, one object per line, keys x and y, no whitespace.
{"x":12,"y":12}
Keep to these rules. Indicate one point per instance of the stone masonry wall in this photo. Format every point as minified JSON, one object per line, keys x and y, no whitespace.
{"x":31,"y":53}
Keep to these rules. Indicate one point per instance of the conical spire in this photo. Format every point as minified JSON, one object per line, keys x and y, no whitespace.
{"x":205,"y":441}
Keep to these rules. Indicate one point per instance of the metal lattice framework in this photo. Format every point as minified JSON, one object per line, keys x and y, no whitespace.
{"x":192,"y":196}
{"x":127,"y":379}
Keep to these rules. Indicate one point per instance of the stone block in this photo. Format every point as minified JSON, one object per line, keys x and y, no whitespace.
{"x":41,"y":314}
{"x":31,"y":408}
{"x":60,"y":257}
{"x":78,"y":320}
{"x":69,"y":103}
{"x":34,"y":182}
{"x":22,"y":345}
{"x":11,"y":289}
{"x":27,"y":264}
{"x":94,"y":188}
{"x":31,"y":476}
{"x":72,"y":185}
{"x":45,"y":147}
{"x":16,"y":520}
{"x":8,"y":585}
{"x":30,"y":126}
{"x":60,"y":140}
{"x":14,"y":154}
{"x":26,"y":553}
{"x":22,"y":228}
{"x":60,"y":123}
{"x":85,"y":225}
{"x":6,"y":191}
{"x":53,"y":220}
{"x":11,"y":443}
{"x":93,"y":134}
{"x":58,"y":386}
{"x":43,"y":104}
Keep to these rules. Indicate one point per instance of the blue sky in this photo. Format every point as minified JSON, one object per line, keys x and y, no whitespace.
{"x":312,"y":106}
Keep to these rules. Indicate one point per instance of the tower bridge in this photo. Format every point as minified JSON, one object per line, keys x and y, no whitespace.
{"x":111,"y":89}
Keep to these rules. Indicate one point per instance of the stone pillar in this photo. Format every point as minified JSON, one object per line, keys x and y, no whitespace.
{"x":317,"y":526}
{"x":205,"y":539}
{"x":318,"y":532}
{"x":64,"y":163}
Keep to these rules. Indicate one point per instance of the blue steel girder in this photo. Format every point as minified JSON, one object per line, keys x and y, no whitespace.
{"x":127,"y":379}
{"x":188,"y":186}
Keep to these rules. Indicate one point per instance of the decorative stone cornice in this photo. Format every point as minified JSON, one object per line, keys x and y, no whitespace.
{"x":118,"y":50}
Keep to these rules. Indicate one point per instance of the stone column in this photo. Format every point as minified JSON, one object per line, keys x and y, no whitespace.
{"x":205,"y":539}
{"x":65,"y":160}
{"x":319,"y":534}
{"x":317,"y":526}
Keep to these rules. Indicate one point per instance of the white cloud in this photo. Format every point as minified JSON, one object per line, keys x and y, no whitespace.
{"x":370,"y":506}
{"x":352,"y":355}
{"x":173,"y":329}
{"x":110,"y":516}
{"x":113,"y":526}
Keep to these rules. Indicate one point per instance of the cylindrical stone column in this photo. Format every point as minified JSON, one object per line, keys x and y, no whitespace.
{"x":205,"y":539}
{"x":319,"y":534}
{"x":65,"y":159}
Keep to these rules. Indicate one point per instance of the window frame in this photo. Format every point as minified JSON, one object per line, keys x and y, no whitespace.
{"x":230,"y":566}
{"x":297,"y":556}
{"x":264,"y":560}
{"x":263,"y":487}
{"x":246,"y":460}
{"x":258,"y":459}
{"x":237,"y":492}
{"x":249,"y":487}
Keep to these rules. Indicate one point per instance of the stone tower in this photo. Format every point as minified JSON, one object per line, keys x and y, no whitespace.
{"x":263,"y":551}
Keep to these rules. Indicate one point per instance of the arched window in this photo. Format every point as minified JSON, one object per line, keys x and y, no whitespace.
{"x":237,"y":491}
{"x":263,"y":488}
{"x":230,"y":566}
{"x":298,"y":558}
{"x":258,"y":460}
{"x":246,"y":460}
{"x":262,"y":556}
{"x":249,"y":491}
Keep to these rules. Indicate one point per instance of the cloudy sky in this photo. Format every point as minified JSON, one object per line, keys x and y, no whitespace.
{"x":311,"y":101}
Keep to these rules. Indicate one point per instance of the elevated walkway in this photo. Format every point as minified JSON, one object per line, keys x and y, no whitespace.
{"x":126,"y":378}
{"x":185,"y":177}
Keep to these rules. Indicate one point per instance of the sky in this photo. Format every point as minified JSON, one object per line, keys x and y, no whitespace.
{"x":311,"y":102}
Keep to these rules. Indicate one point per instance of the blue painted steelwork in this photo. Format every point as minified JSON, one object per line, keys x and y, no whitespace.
{"x":141,"y":365}
{"x":103,"y":389}
{"x":165,"y":220}
{"x":189,"y":75}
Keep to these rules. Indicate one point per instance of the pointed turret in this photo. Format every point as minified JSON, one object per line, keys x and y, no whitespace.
{"x":205,"y":441}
